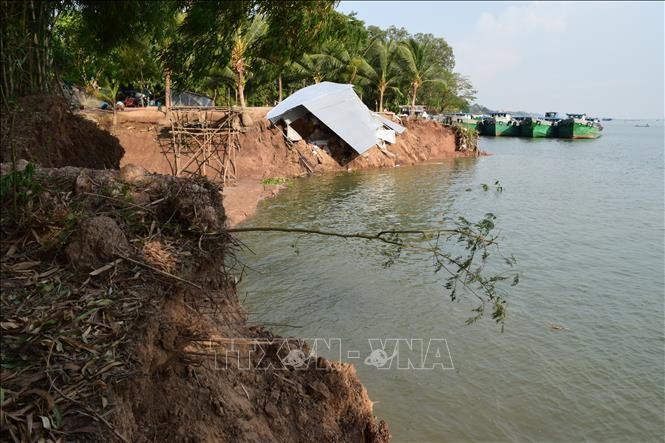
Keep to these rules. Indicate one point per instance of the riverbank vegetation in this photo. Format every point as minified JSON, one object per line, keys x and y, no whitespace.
{"x":249,"y":53}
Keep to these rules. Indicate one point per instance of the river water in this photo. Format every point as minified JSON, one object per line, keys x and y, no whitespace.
{"x":585,"y":221}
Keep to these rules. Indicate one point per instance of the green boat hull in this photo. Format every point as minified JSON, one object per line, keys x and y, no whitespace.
{"x":502,"y":129}
{"x":536,"y":130}
{"x":571,"y":129}
{"x":469,"y":125}
{"x":499,"y":129}
{"x":484,"y":128}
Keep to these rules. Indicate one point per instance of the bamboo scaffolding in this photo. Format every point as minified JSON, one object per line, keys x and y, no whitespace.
{"x":203,"y":141}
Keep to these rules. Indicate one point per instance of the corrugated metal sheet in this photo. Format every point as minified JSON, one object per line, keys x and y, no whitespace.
{"x":339,"y":108}
{"x":391,"y":124}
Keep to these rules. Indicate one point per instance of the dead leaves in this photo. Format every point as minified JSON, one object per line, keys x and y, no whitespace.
{"x":64,"y":333}
{"x":161,"y":255}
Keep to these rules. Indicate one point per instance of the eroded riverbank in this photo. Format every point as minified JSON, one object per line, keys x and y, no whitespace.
{"x":265,"y":154}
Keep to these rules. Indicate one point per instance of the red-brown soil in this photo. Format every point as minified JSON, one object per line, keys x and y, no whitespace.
{"x":43,"y":130}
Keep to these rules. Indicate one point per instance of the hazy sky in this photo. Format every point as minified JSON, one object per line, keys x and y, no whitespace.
{"x":605,"y":59}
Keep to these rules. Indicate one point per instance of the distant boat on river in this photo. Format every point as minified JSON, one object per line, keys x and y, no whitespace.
{"x":501,"y":124}
{"x":579,"y":126}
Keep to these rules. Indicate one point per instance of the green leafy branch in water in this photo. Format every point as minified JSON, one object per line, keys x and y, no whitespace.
{"x":467,"y":269}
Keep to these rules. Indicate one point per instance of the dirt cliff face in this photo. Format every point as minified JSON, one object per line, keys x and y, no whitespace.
{"x":117,"y":306}
{"x":264,"y":151}
{"x":43,"y":130}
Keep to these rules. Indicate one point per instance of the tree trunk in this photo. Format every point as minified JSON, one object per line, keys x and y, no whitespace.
{"x":381,"y":91}
{"x":241,"y":87}
{"x":167,"y":91}
{"x":413,"y":100}
{"x":115,"y":118}
{"x":279,"y":86}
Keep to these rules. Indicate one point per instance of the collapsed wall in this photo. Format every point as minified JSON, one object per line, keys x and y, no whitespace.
{"x":111,"y":282}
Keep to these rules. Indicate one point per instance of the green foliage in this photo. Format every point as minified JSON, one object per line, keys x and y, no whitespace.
{"x":275,"y":181}
{"x":19,"y":186}
{"x":465,"y":254}
{"x":256,"y":50}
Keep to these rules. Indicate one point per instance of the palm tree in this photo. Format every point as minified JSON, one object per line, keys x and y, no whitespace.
{"x":245,"y":40}
{"x":218,"y":78}
{"x":418,"y":66}
{"x":314,"y":67}
{"x":110,"y":93}
{"x":380,"y":70}
{"x":346,"y":61}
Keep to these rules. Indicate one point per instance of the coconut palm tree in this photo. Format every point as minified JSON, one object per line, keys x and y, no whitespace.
{"x":418,"y":66}
{"x":245,"y":42}
{"x":219,"y":78}
{"x":312,"y":67}
{"x":346,"y":60}
{"x":380,"y":71}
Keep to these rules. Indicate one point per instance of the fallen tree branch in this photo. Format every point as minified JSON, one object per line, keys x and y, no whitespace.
{"x":466,"y":270}
{"x":362,"y":235}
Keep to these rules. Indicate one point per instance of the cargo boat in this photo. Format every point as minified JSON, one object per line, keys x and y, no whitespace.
{"x":536,"y":127}
{"x":578,"y":126}
{"x":465,"y":120}
{"x":500,"y":124}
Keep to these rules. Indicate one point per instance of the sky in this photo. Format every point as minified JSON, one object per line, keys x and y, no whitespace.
{"x":601,"y":58}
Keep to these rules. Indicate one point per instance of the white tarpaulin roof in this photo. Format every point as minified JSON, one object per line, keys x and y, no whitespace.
{"x":339,"y":108}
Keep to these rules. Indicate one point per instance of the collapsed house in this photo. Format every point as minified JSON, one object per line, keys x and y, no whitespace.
{"x":331,"y":117}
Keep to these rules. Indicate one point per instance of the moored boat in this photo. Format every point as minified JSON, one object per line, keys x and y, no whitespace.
{"x":500,"y":124}
{"x":465,"y":120}
{"x":578,"y":126}
{"x":536,"y":127}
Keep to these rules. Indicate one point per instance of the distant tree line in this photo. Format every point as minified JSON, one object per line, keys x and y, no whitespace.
{"x":250,"y":52}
